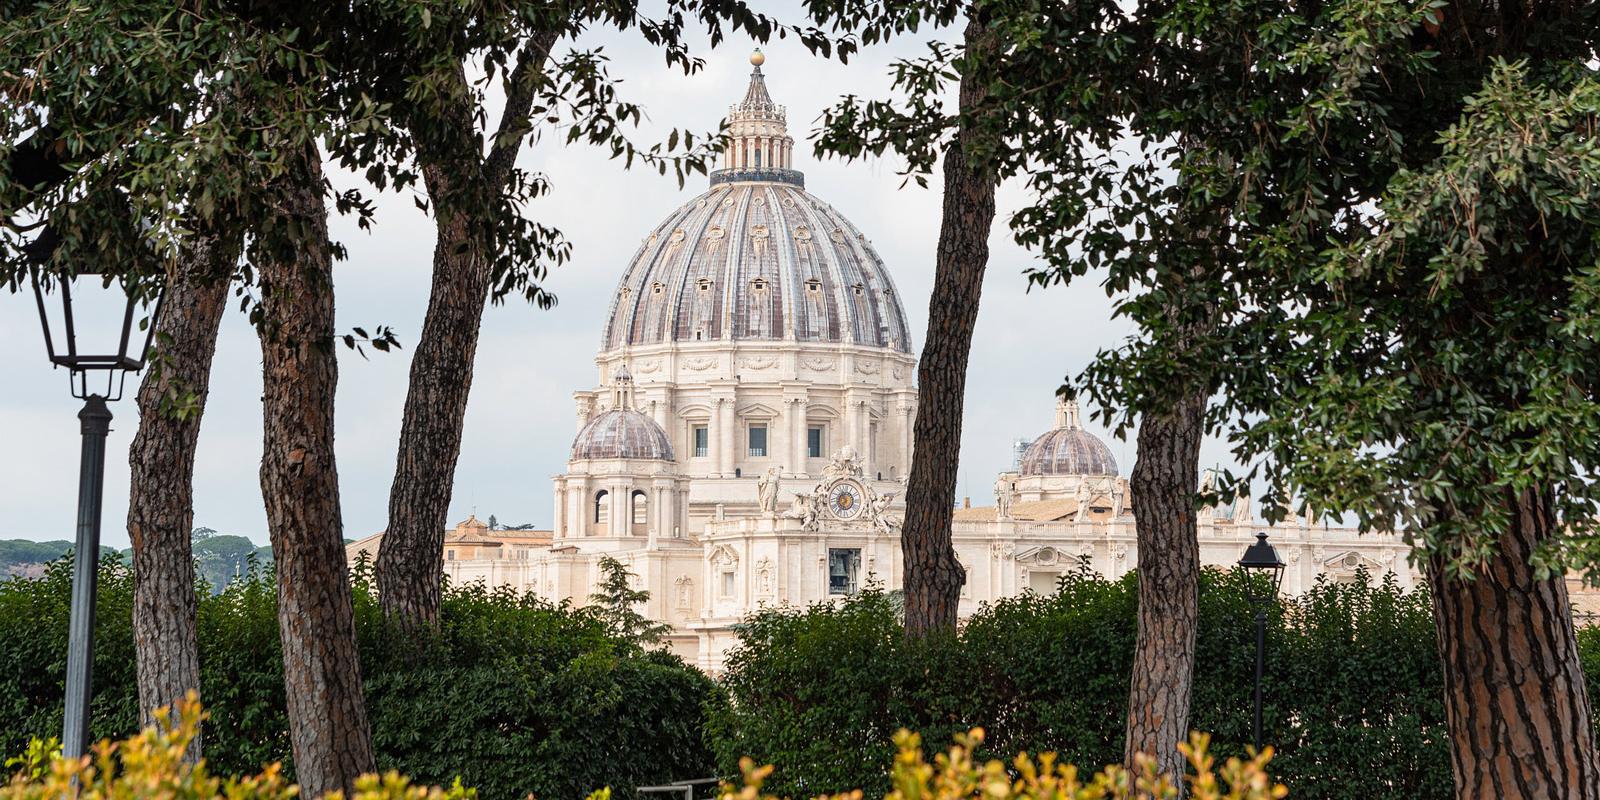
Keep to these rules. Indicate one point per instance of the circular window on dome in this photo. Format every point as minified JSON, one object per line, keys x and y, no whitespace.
{"x":802,"y":233}
{"x":716,"y":232}
{"x":657,"y":288}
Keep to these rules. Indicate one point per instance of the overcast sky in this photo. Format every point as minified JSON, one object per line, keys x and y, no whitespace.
{"x":520,"y":420}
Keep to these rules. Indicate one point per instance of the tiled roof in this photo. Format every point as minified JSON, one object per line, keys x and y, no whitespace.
{"x":1032,"y":511}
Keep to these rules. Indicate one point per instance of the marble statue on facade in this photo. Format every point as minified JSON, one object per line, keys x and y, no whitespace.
{"x":1005,"y":491}
{"x":767,"y":492}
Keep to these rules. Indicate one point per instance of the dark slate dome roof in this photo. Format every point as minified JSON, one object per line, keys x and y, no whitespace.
{"x":1068,"y":449}
{"x":621,"y":433}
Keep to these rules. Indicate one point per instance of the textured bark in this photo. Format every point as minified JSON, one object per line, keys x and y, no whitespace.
{"x":1163,"y":484}
{"x":328,"y":726}
{"x":1515,"y":700}
{"x":933,"y":576}
{"x":462,"y":184}
{"x":411,"y":554}
{"x":161,"y":484}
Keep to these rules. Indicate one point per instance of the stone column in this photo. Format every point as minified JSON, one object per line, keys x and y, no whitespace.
{"x":718,"y":406}
{"x":779,"y":445}
{"x":797,"y":436}
{"x":657,"y":515}
{"x":620,"y":518}
{"x":729,"y":435}
{"x":907,"y":428}
{"x":560,"y":509}
{"x":852,"y":423}
{"x":577,"y":506}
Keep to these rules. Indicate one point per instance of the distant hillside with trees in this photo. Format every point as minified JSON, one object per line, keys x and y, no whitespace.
{"x":27,"y":558}
{"x":218,"y":557}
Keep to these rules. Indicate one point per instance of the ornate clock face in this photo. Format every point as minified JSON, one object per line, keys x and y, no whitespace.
{"x":844,"y":500}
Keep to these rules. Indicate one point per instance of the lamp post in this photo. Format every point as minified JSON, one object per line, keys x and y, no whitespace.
{"x":1261,"y":559}
{"x":87,"y":355}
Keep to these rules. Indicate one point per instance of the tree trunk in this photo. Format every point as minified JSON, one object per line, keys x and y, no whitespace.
{"x":411,"y":554}
{"x":161,"y":485}
{"x":1515,"y":700}
{"x":1164,"y":481}
{"x":933,"y":576}
{"x":328,"y":726}
{"x":463,"y":185}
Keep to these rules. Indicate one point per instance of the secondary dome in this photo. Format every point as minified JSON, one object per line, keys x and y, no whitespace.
{"x":621,"y":432}
{"x":756,"y":257}
{"x":1068,"y":449}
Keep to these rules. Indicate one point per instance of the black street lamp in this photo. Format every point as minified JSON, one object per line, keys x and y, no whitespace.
{"x":1261,"y":559}
{"x":73,"y":340}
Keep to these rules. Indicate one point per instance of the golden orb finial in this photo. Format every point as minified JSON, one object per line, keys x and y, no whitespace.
{"x":757,"y":58}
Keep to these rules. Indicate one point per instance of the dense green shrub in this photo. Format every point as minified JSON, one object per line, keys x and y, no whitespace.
{"x":515,"y":695}
{"x":1352,"y":678}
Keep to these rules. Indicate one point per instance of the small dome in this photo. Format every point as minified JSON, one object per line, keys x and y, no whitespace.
{"x":622,"y":433}
{"x":1068,"y":449}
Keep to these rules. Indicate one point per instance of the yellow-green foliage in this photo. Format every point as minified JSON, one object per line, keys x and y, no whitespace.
{"x":150,"y":765}
{"x":955,"y":775}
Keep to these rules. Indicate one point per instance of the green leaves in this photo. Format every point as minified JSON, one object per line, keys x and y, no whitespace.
{"x":1353,"y":677}
{"x":515,"y":695}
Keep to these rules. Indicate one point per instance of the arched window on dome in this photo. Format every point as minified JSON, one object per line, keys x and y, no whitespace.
{"x":602,"y":508}
{"x":640,"y":503}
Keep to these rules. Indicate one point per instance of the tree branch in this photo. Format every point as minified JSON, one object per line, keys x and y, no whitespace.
{"x":520,"y":90}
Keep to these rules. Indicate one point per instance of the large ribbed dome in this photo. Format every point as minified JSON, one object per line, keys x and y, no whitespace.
{"x":756,"y":257}
{"x":1068,"y":449}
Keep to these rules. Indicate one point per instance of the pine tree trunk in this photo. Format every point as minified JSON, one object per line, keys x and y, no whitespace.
{"x":933,"y":576}
{"x":463,"y":185}
{"x":1515,"y":700}
{"x":328,"y":726}
{"x":411,"y":554}
{"x":1163,"y":483}
{"x":161,"y":485}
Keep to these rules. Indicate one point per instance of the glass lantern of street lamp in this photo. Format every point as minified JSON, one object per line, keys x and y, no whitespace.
{"x":96,"y":321}
{"x":1262,"y":558}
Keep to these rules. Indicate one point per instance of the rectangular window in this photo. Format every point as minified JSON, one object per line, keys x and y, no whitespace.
{"x":449,"y":555}
{"x":844,"y":570}
{"x":727,"y":584}
{"x":814,"y":441}
{"x":758,"y":441}
{"x":702,"y":441}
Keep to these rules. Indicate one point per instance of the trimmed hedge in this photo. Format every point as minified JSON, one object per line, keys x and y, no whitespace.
{"x":1353,"y":678}
{"x":516,"y":695}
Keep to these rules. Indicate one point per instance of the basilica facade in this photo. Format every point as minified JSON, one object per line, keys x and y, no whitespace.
{"x":751,"y":430}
